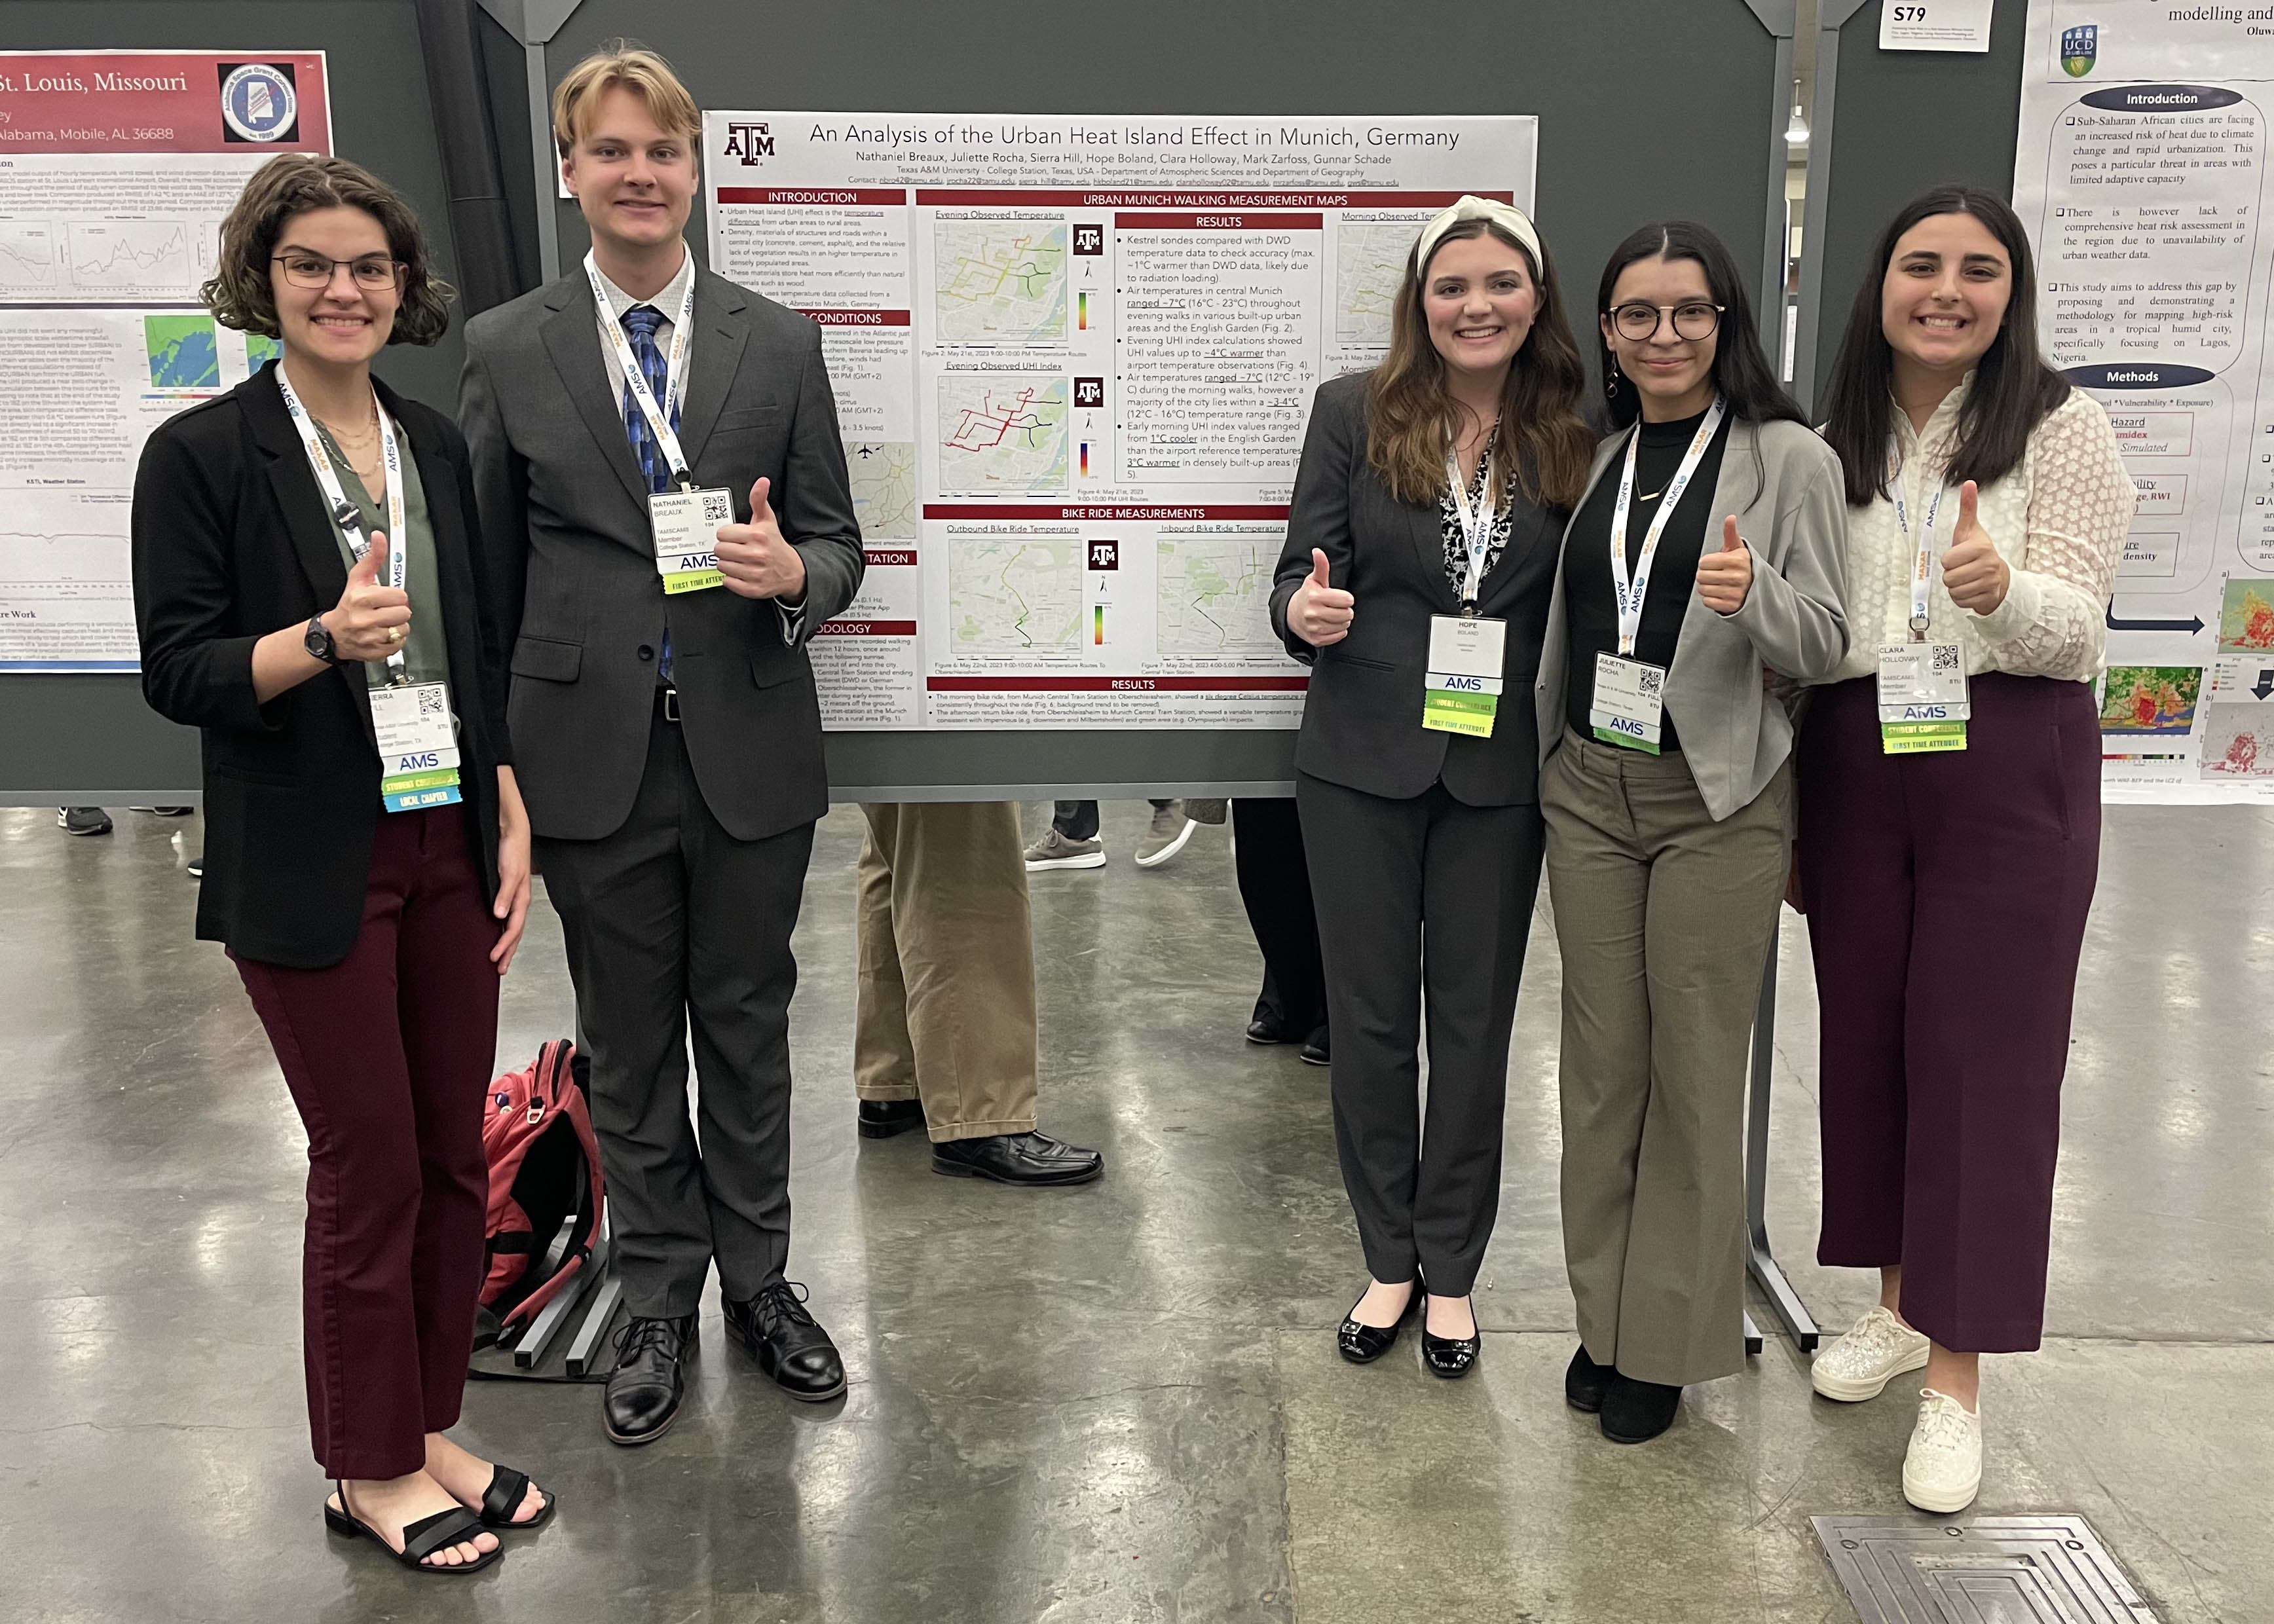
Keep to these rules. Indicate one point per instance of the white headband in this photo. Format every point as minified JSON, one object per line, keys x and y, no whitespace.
{"x":1507,"y":216}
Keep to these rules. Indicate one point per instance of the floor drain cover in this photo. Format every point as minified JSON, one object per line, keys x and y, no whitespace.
{"x":1990,"y":1570}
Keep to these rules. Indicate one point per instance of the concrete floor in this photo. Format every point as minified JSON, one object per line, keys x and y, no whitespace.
{"x":1119,"y":1402}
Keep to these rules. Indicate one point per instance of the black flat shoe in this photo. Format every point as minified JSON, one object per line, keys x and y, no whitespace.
{"x":1033,"y":1159}
{"x":1363,"y":1344}
{"x":880,"y":1119}
{"x":1315,"y":1050}
{"x":1634,"y":1412}
{"x":1262,"y":1030}
{"x":508,"y":1489}
{"x":645,"y":1389}
{"x":1451,"y":1356}
{"x":1585,"y":1382}
{"x":420,"y":1540}
{"x":790,"y":1345}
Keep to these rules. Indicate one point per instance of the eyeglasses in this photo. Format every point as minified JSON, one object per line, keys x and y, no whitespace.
{"x":312,"y":270}
{"x":1639,"y":323}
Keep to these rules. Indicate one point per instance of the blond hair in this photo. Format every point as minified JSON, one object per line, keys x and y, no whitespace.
{"x":634,"y":68}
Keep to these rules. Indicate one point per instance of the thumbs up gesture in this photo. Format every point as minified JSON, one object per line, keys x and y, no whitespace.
{"x":753,"y":558}
{"x":1725,"y":577}
{"x":1318,"y":613}
{"x":1972,"y":573}
{"x":370,"y":620}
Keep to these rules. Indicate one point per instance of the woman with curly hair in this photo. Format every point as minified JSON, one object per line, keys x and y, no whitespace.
{"x":307,"y":592}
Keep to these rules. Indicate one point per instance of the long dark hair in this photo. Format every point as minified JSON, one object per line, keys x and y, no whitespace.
{"x":1741,"y":372}
{"x":1544,"y":442}
{"x":2013,"y":389}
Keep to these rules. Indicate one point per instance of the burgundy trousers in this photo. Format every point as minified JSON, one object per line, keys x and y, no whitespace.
{"x":1946,"y":897}
{"x":387,"y":1054}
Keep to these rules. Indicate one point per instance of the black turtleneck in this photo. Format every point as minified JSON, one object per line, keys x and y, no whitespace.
{"x":1591,"y":608}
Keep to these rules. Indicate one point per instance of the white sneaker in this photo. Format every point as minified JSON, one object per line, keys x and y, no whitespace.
{"x":1942,"y":1469}
{"x":1876,"y":1349}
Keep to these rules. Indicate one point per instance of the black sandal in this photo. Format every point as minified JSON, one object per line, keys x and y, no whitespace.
{"x":508,"y":1489}
{"x":420,"y":1539}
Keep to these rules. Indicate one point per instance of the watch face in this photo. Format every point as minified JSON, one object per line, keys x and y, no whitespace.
{"x":318,"y":642}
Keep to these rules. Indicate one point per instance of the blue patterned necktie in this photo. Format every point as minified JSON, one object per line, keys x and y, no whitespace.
{"x":641,"y":321}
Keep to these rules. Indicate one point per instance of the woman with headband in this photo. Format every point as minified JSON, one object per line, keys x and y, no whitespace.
{"x":1950,"y":812}
{"x":1419,"y":549}
{"x":1701,"y":573}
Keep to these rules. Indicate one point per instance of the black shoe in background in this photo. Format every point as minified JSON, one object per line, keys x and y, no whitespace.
{"x":1017,"y":1159}
{"x":645,"y":1389}
{"x":788,"y":1343}
{"x":1634,"y":1412}
{"x":1585,"y":1382}
{"x":880,"y":1119}
{"x":1315,"y":1051}
{"x":1268,"y":1029}
{"x":164,"y":811}
{"x":196,"y":867}
{"x":82,"y":820}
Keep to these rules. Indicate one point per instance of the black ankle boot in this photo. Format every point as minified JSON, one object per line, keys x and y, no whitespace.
{"x":1585,"y":1382}
{"x":1634,"y":1412}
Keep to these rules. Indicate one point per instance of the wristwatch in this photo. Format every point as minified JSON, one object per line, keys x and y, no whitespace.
{"x":319,"y":641}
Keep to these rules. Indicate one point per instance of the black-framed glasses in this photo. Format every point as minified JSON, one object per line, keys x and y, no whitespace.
{"x":372,"y":272}
{"x":1639,"y":323}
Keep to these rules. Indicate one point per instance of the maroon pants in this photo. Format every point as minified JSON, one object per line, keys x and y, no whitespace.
{"x":1946,"y":899}
{"x":387,"y":1054}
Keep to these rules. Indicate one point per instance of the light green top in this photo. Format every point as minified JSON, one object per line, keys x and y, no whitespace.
{"x":426,"y":653}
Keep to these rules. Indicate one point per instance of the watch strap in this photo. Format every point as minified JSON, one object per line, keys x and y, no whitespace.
{"x":318,"y":641}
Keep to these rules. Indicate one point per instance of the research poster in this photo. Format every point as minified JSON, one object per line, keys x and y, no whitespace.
{"x":1073,"y":360}
{"x":116,"y":170}
{"x":2140,"y":174}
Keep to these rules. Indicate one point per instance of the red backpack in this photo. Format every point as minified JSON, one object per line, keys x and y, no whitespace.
{"x":546,"y":1191}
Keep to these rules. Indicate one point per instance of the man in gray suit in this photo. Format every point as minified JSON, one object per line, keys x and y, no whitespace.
{"x":663,"y":711}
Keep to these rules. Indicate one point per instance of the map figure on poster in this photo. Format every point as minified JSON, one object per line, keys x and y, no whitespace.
{"x":884,"y":488}
{"x":1014,"y":594}
{"x":1369,"y":263}
{"x":1215,"y":595}
{"x":1000,"y":282}
{"x":1002,"y":435}
{"x":182,"y":352}
{"x":260,"y":351}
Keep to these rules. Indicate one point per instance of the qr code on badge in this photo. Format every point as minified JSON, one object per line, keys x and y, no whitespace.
{"x":1945,"y":657}
{"x":1647,"y":683}
{"x":430,"y":701}
{"x":718,"y":508}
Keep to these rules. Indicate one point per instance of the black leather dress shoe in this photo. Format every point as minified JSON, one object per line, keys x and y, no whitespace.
{"x":643,"y":1395}
{"x":1264,"y":1029}
{"x":787,"y":1343}
{"x":880,"y":1119}
{"x":1585,"y":1382}
{"x":1450,"y":1356}
{"x":1634,"y":1412}
{"x":1315,"y":1051}
{"x":1363,"y":1344}
{"x":1017,"y":1159}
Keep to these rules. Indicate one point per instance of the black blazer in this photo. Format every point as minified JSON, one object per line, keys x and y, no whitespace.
{"x":1362,"y":720}
{"x":232,"y":543}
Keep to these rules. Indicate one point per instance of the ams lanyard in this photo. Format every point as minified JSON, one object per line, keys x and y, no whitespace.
{"x":344,"y":511}
{"x":1630,"y":592}
{"x":1922,"y":556}
{"x":658,"y":414}
{"x":1476,"y":518}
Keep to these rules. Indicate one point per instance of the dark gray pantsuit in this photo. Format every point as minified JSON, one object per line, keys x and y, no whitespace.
{"x":1422,"y":903}
{"x":672,"y":912}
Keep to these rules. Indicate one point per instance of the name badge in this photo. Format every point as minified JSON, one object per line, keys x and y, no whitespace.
{"x":1629,"y":709}
{"x":418,"y":747}
{"x":1461,"y":693}
{"x":685,"y":525}
{"x":1923,"y":698}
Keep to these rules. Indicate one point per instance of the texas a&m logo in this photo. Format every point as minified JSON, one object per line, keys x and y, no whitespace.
{"x":751,"y":143}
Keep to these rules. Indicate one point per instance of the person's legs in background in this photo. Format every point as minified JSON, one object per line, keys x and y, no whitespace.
{"x":1275,"y":887}
{"x":1072,"y":840}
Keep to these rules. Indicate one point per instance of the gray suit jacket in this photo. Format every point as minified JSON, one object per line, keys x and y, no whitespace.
{"x":1734,"y":732}
{"x":581,"y":608}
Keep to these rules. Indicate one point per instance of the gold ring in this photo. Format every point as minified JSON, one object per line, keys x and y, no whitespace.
{"x":394,"y":633}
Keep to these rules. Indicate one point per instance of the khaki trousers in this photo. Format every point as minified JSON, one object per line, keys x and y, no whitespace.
{"x":946,"y":1005}
{"x":1664,"y":918}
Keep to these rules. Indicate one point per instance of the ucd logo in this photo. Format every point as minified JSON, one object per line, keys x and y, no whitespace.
{"x":2080,"y":46}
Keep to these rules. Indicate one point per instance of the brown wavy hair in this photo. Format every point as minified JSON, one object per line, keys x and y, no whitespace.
{"x":290,"y":185}
{"x":1544,"y":442}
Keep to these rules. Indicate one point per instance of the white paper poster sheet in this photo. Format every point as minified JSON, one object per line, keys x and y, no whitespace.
{"x":1073,"y":360}
{"x":116,"y":170}
{"x":2140,"y":174}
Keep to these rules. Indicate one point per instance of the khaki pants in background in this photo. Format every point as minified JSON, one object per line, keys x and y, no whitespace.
{"x":1664,"y":918}
{"x":945,"y":1010}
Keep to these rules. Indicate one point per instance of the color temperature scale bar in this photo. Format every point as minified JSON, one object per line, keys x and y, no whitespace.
{"x":1082,"y":311}
{"x":1097,"y":633}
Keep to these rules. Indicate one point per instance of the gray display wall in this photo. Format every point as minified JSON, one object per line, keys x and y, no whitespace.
{"x":86,"y":741}
{"x":1888,"y":126}
{"x":1649,"y":109}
